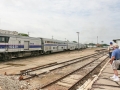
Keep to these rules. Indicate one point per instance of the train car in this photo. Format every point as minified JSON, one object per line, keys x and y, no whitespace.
{"x":84,"y":46}
{"x":62,"y":46}
{"x":51,"y":45}
{"x":71,"y":46}
{"x":17,"y":46}
{"x":80,"y":46}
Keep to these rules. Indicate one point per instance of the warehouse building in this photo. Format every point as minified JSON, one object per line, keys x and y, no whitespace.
{"x":117,"y":41}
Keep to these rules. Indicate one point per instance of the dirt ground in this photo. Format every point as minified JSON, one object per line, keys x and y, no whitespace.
{"x":13,"y":67}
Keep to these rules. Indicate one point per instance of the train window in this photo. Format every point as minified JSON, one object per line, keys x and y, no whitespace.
{"x":2,"y":39}
{"x":47,"y":41}
{"x":6,"y":39}
{"x":19,"y":41}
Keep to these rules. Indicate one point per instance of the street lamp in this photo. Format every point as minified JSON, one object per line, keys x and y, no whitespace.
{"x":78,"y":39}
{"x":28,"y":33}
{"x":97,"y":39}
{"x":102,"y":43}
{"x":65,"y":39}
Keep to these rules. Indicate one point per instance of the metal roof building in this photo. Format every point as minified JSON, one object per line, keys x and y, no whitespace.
{"x":117,"y":41}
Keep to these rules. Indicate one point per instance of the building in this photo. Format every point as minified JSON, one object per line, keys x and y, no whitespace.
{"x":117,"y":41}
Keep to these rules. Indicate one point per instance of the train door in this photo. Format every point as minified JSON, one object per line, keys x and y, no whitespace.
{"x":26,"y":45}
{"x":19,"y":45}
{"x":6,"y":43}
{"x":10,"y":45}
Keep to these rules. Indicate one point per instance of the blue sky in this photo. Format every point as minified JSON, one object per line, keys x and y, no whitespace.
{"x":63,"y":18}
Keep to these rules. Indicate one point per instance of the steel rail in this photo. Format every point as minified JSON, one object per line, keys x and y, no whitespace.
{"x":53,"y":82}
{"x":76,"y":84}
{"x":60,"y":66}
{"x":53,"y":64}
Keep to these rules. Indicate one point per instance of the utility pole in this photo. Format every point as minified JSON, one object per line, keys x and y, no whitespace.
{"x":28,"y":33}
{"x":52,"y":37}
{"x":101,"y":43}
{"x":78,"y":40}
{"x":97,"y":39}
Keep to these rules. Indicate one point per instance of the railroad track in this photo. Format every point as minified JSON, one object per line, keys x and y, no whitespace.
{"x":70,"y":80}
{"x":26,"y":71}
{"x":39,"y":70}
{"x":51,"y":75}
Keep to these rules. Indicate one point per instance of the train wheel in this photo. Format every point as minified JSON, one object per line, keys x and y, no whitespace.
{"x":9,"y":57}
{"x":4,"y":58}
{"x":16,"y":55}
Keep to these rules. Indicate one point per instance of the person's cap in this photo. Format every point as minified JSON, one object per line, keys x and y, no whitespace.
{"x":111,"y":43}
{"x":115,"y":45}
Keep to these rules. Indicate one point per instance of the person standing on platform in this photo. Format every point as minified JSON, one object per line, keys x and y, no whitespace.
{"x":115,"y":61}
{"x":110,"y":49}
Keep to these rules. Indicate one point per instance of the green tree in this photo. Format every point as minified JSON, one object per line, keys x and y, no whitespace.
{"x":91,"y":44}
{"x":74,"y":41}
{"x":23,"y":34}
{"x":105,"y":45}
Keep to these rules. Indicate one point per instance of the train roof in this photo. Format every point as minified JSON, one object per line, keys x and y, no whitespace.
{"x":18,"y":36}
{"x":52,"y":40}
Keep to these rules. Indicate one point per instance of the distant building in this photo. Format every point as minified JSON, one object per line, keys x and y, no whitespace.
{"x":8,"y":32}
{"x":117,"y":41}
{"x":91,"y":46}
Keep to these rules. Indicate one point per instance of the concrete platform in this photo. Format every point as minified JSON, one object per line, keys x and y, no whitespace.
{"x":104,"y":82}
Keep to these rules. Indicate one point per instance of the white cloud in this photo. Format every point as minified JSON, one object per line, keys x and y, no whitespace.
{"x":63,"y":18}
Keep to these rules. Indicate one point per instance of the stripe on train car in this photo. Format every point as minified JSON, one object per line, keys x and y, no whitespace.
{"x":19,"y":46}
{"x":54,"y":45}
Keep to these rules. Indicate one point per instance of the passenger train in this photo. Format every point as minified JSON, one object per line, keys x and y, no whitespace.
{"x":21,"y":46}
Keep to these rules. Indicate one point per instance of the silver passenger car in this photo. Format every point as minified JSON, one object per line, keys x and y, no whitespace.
{"x":71,"y":46}
{"x":51,"y":45}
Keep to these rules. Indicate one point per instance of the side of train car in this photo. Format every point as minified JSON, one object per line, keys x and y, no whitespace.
{"x":20,"y":46}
